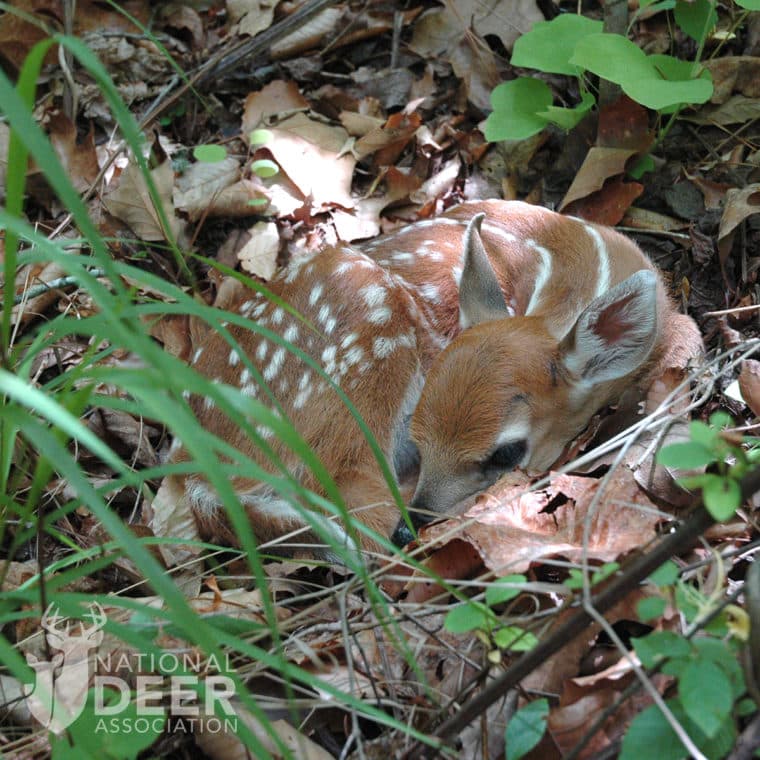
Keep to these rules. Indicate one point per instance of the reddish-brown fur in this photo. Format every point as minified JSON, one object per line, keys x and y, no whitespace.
{"x":403,"y":289}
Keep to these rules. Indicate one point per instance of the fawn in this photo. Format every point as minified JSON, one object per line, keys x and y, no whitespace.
{"x":472,"y":344}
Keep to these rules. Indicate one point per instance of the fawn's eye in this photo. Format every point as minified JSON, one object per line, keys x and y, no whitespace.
{"x":506,"y":457}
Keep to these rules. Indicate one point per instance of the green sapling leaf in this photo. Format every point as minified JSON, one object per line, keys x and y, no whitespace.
{"x":549,"y":45}
{"x":525,"y":729}
{"x":515,"y":108}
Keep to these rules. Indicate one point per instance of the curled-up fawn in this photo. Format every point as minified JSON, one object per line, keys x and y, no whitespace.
{"x":471,"y":344}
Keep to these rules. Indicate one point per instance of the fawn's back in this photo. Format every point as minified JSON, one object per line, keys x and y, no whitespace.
{"x":471,"y":344}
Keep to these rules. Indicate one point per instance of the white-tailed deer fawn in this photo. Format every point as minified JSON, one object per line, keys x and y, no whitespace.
{"x":471,"y":344}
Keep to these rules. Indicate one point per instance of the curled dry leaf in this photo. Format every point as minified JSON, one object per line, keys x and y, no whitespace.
{"x":169,"y":516}
{"x":749,"y":384}
{"x":740,"y":204}
{"x":78,"y":158}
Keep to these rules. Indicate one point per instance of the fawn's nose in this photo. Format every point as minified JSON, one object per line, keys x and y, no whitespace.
{"x":401,"y":536}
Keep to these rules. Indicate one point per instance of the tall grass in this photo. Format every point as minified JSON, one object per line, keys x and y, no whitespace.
{"x":41,"y":428}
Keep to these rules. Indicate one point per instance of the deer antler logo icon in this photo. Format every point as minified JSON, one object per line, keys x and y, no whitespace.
{"x":60,"y":690}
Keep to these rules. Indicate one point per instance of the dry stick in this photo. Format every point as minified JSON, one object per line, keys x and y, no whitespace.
{"x":229,"y":57}
{"x":637,"y":571}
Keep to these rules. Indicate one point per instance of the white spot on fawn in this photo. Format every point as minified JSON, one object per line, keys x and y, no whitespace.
{"x":277,"y":316}
{"x":383,"y":346}
{"x":430,"y":293}
{"x":261,"y":350}
{"x":245,"y":376}
{"x":275,"y":365}
{"x":379,"y":316}
{"x":603,"y":283}
{"x":542,"y":275}
{"x":354,"y":356}
{"x":400,"y":256}
{"x":208,"y":403}
{"x":291,"y":333}
{"x":315,"y":294}
{"x":259,"y":310}
{"x":302,"y":397}
{"x":374,"y":295}
{"x":234,"y":358}
{"x":349,"y":339}
{"x":197,"y":354}
{"x":250,"y":389}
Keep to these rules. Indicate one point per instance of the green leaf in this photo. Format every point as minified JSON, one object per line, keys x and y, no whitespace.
{"x":648,"y":730}
{"x":643,"y":165}
{"x":91,"y":741}
{"x":525,"y":729}
{"x":697,"y":18}
{"x":567,"y":118}
{"x":515,"y":109}
{"x":665,"y":575}
{"x":499,"y":592}
{"x":705,"y":693}
{"x":468,"y":616}
{"x":658,"y":94}
{"x":704,"y":434}
{"x":514,"y":638}
{"x":685,"y":456}
{"x":660,"y":644}
{"x":650,"y":608}
{"x":721,"y":420}
{"x":750,"y":5}
{"x":549,"y":45}
{"x":260,"y":137}
{"x":612,"y":57}
{"x":722,"y":496}
{"x":264,"y":168}
{"x":724,"y":656}
{"x":209,"y":154}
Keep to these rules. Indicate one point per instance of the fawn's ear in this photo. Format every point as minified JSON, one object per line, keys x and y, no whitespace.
{"x":615,"y":333}
{"x":480,"y":296}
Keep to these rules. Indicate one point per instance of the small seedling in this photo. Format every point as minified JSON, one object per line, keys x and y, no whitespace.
{"x":724,"y":452}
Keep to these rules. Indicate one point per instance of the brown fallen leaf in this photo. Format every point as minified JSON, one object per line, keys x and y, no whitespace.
{"x":277,"y":97}
{"x":251,"y":16}
{"x":740,"y":204}
{"x":199,"y":186}
{"x":311,"y":154}
{"x":749,"y":384}
{"x":130,"y":201}
{"x":608,"y":205}
{"x":77,"y":157}
{"x":599,"y":165}
{"x":258,"y":255}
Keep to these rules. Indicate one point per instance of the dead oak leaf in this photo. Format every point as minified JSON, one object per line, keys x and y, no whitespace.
{"x":131,"y":202}
{"x":277,"y":97}
{"x":311,"y":154}
{"x":199,"y":186}
{"x":512,"y":528}
{"x":600,"y":164}
{"x":439,"y":31}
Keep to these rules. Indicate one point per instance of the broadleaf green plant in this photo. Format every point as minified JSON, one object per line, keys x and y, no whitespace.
{"x":573,"y":45}
{"x":709,"y":446}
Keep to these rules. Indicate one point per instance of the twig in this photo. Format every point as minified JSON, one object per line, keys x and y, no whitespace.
{"x":60,"y":282}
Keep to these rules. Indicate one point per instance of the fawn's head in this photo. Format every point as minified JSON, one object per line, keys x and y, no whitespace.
{"x":507,"y":393}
